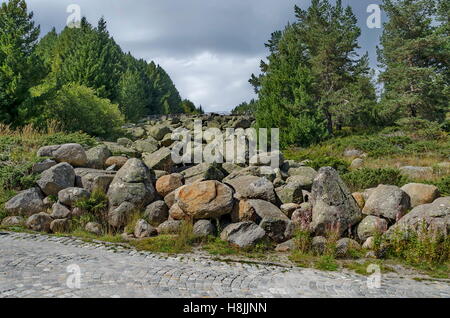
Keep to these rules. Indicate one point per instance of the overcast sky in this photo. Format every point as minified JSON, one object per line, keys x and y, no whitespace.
{"x":209,"y":47}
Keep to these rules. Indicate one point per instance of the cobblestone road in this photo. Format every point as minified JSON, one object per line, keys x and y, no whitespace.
{"x":40,"y":266}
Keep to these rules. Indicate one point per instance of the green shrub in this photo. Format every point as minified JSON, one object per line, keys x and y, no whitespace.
{"x":340,"y":165}
{"x":368,"y":178}
{"x":77,"y":107}
{"x":67,"y":138}
{"x":96,"y":205}
{"x":17,"y":177}
{"x":5,"y":195}
{"x":422,"y":247}
{"x":443,"y":185}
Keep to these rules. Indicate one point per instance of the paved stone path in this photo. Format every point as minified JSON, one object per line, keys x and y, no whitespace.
{"x":46,"y":266}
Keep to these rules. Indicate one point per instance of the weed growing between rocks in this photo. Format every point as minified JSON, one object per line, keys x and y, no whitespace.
{"x":426,"y":249}
{"x":171,"y":244}
{"x":321,"y":255}
{"x":95,"y":209}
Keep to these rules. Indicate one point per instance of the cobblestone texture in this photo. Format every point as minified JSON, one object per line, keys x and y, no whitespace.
{"x":36,"y":266}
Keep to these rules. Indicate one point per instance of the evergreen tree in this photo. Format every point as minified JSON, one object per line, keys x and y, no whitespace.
{"x":20,"y":68}
{"x":330,"y":34}
{"x":132,"y":95}
{"x":314,"y":76}
{"x":415,"y":56}
{"x":91,"y":58}
{"x":165,"y":97}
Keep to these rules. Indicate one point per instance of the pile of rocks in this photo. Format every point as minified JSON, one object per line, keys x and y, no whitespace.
{"x":243,"y":204}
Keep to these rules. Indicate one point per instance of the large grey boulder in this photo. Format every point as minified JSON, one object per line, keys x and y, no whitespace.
{"x":70,"y":196}
{"x":252,"y":187}
{"x":26,"y":203}
{"x":302,"y":175}
{"x":60,"y":211}
{"x":126,"y":142}
{"x":256,"y":210}
{"x":39,"y":222}
{"x":370,"y":226}
{"x":206,"y":199}
{"x":421,"y":193}
{"x":40,"y":167}
{"x":279,"y":230}
{"x":267,"y":158}
{"x":73,"y":154}
{"x":143,"y":229}
{"x":94,"y":228}
{"x":387,"y":201}
{"x":148,"y":145}
{"x":333,"y":204}
{"x":269,"y":217}
{"x":93,"y":179}
{"x":170,"y":227}
{"x":60,"y":226}
{"x":290,"y":193}
{"x":57,"y":178}
{"x":203,"y":228}
{"x":15,"y":220}
{"x":434,"y":216}
{"x":159,"y":160}
{"x":158,"y":132}
{"x":97,"y":156}
{"x":417,"y":172}
{"x":289,"y":208}
{"x":202,"y":172}
{"x":118,"y":216}
{"x":132,"y":184}
{"x":118,"y":150}
{"x":243,"y":234}
{"x":258,"y":171}
{"x":156,"y":213}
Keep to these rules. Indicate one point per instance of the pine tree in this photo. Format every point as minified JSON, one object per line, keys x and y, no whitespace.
{"x":330,"y":34}
{"x":415,"y":56}
{"x":20,"y":68}
{"x":90,"y":57}
{"x":314,"y":76}
{"x":132,"y":96}
{"x":166,"y":97}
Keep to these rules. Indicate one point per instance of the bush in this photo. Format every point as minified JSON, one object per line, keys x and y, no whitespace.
{"x":67,"y":138}
{"x":17,"y":176}
{"x":443,"y":185}
{"x":96,"y":207}
{"x":423,"y":247}
{"x":340,"y":165}
{"x":368,"y":178}
{"x":77,"y":108}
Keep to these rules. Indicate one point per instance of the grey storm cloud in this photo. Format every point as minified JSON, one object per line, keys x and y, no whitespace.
{"x":209,"y":47}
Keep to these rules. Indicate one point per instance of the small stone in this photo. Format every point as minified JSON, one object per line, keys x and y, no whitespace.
{"x":39,"y":222}
{"x":13,"y":221}
{"x":60,"y":226}
{"x":60,"y":211}
{"x":94,"y":228}
{"x":203,"y":228}
{"x":143,"y":229}
{"x":156,"y":213}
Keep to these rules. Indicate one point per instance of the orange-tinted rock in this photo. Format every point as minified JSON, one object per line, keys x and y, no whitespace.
{"x":169,"y":183}
{"x":206,"y":199}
